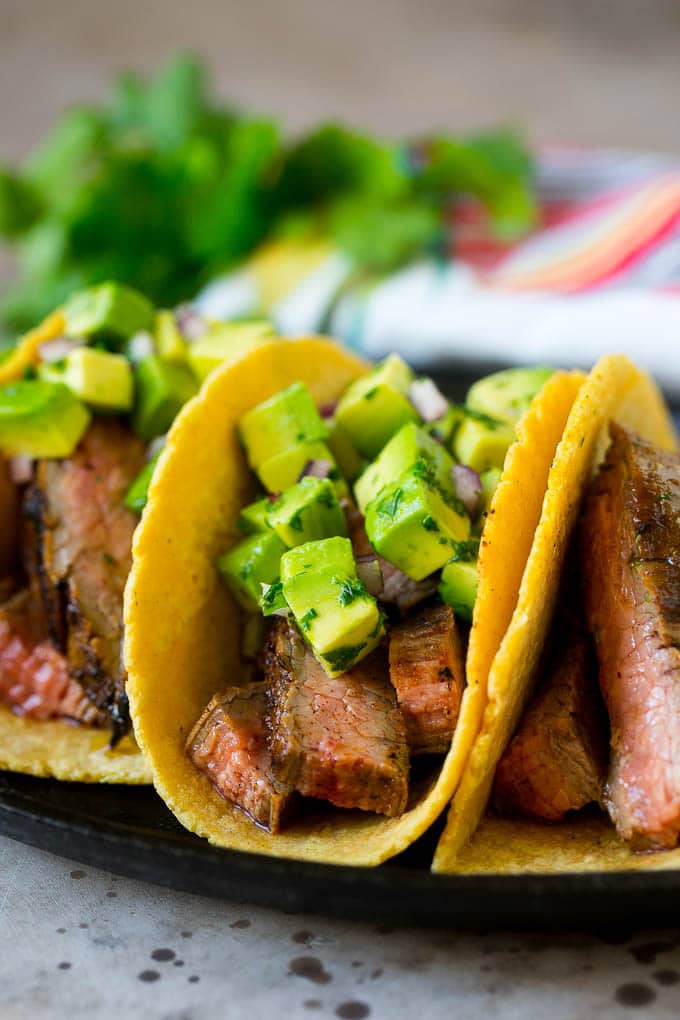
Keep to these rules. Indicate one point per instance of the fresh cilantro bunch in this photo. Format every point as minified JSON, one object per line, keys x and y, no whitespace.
{"x":162,"y":188}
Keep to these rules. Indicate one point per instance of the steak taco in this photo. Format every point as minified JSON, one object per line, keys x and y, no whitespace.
{"x":328,"y":563}
{"x":84,"y":402}
{"x":578,"y":756}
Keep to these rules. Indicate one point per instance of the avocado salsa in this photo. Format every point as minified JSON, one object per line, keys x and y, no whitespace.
{"x":356,"y":573}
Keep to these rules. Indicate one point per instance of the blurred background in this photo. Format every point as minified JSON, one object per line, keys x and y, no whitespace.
{"x":584,"y":71}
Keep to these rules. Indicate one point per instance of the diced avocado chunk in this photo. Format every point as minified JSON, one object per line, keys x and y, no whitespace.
{"x":458,"y":587}
{"x":489,"y":480}
{"x":170,"y":344}
{"x":162,"y":388}
{"x":376,"y":405}
{"x":413,"y":527}
{"x":348,"y":458}
{"x":100,"y":379}
{"x":253,"y":562}
{"x":408,"y":445}
{"x":286,"y":420}
{"x":482,"y":442}
{"x":331,"y":606}
{"x":108,"y":310}
{"x":40,"y":419}
{"x":253,"y":517}
{"x":138,"y":493}
{"x":225,"y":342}
{"x":506,"y":395}
{"x":283,"y":469}
{"x":444,"y":428}
{"x":306,"y":512}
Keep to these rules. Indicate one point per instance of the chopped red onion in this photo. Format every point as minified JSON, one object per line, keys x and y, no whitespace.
{"x":428,"y":400}
{"x":468,"y":487}
{"x":140,"y":346}
{"x":328,"y":410}
{"x":155,"y":446}
{"x":57,"y":349}
{"x":316,"y":469}
{"x":369,"y":571}
{"x":403,"y":591}
{"x":192,"y":325}
{"x":21,"y":470}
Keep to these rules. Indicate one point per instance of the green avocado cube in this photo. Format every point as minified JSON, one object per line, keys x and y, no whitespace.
{"x":347,"y":457}
{"x":458,"y":587}
{"x":250,"y":564}
{"x":376,"y":405}
{"x":306,"y":512}
{"x":162,"y":388}
{"x":444,"y":428}
{"x":483,"y":443}
{"x":286,"y":420}
{"x":40,"y":419}
{"x":408,"y":445}
{"x":412,"y":526}
{"x":283,"y":469}
{"x":108,"y":310}
{"x":170,"y":344}
{"x":226,"y":341}
{"x":331,"y":606}
{"x":506,"y":395}
{"x":489,"y":480}
{"x":98,"y":378}
{"x":137,"y":495}
{"x":253,"y":517}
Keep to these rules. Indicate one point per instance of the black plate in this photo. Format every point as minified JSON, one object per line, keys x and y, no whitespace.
{"x":129,"y":831}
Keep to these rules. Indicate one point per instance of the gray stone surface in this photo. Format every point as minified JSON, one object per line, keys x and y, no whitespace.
{"x":80,"y":943}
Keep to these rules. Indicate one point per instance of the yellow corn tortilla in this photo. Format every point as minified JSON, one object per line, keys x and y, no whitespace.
{"x":182,"y":627}
{"x":615,"y":389}
{"x":53,"y":748}
{"x":60,"y":750}
{"x":27,"y":352}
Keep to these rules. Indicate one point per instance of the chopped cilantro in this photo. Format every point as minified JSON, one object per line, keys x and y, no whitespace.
{"x":371,"y":393}
{"x":306,"y":619}
{"x":390,"y":504}
{"x":295,"y":521}
{"x":350,"y":590}
{"x":429,"y":523}
{"x":465,"y":552}
{"x":342,"y":658}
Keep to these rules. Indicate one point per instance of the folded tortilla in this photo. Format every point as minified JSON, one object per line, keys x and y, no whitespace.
{"x":182,"y":627}
{"x":54,"y":748}
{"x":615,"y":389}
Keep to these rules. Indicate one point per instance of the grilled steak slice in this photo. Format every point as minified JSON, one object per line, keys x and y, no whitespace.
{"x":81,"y":552}
{"x":557,"y":760}
{"x":10,"y":518}
{"x":34,"y":676}
{"x":631,"y":568}
{"x":427,"y":670}
{"x":340,"y":739}
{"x":228,"y":743}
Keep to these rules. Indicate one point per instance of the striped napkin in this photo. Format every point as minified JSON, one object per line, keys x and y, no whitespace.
{"x":601,"y":274}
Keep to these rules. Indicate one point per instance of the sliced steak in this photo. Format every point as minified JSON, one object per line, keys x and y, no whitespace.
{"x":10,"y":521}
{"x":557,"y":760}
{"x":631,"y":569}
{"x":342,"y":739}
{"x":228,"y":743}
{"x":427,"y":669}
{"x":34,"y":677}
{"x":80,"y":551}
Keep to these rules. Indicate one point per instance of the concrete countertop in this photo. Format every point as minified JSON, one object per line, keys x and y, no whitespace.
{"x":80,"y":943}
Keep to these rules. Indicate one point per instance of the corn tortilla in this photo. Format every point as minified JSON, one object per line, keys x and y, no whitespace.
{"x":60,"y":750}
{"x":182,"y":628}
{"x":614,"y":389}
